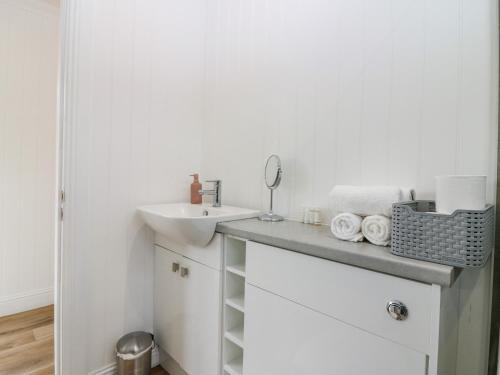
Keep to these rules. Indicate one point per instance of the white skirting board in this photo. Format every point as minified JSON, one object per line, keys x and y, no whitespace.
{"x":111,"y":369}
{"x":26,"y":301}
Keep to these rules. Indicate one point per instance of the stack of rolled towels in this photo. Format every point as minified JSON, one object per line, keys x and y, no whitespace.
{"x":365,"y":212}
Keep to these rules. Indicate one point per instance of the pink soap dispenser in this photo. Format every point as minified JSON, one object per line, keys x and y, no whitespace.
{"x":195,"y":190}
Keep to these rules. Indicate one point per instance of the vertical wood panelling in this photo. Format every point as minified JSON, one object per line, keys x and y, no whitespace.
{"x":28,"y":97}
{"x":441,"y":80}
{"x":355,"y":92}
{"x":346,"y":91}
{"x":407,"y":91}
{"x":351,"y":92}
{"x":132,"y":137}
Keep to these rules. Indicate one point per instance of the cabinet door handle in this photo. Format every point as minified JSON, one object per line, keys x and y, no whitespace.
{"x":175,"y":267}
{"x":397,"y":310}
{"x":184,"y":272}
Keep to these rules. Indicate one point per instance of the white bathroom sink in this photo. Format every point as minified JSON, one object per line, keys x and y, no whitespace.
{"x":192,"y":224}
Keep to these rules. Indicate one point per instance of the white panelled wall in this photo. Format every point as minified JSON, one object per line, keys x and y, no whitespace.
{"x":133,"y":83}
{"x":346,"y":91}
{"x":355,"y":92}
{"x":28,"y":107}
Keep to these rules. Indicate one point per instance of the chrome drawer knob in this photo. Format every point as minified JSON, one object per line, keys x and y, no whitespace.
{"x":175,"y":267}
{"x":397,"y":310}
{"x":184,"y":272}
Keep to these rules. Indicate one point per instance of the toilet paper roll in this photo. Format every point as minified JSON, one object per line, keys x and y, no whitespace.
{"x":460,"y":192}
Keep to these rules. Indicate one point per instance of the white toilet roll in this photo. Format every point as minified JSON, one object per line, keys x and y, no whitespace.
{"x":460,"y":192}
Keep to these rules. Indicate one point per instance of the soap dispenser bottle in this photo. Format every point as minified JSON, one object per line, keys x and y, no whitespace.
{"x":195,"y":190}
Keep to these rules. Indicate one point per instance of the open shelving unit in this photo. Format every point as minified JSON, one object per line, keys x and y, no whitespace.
{"x":234,"y":305}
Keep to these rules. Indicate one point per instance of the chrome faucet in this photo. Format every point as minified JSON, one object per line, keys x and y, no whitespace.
{"x":216,"y":192}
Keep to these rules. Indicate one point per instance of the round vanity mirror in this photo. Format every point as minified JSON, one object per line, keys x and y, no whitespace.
{"x":272,"y":178}
{"x":273,"y":171}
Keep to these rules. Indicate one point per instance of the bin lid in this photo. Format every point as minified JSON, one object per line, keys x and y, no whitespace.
{"x":134,"y":343}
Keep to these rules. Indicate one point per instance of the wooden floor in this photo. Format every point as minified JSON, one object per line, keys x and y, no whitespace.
{"x":27,"y":343}
{"x":158,"y":371}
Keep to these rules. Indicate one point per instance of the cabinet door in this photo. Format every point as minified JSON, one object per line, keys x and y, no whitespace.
{"x":168,"y":328}
{"x":200,"y":303}
{"x":350,"y":286}
{"x":285,"y":338}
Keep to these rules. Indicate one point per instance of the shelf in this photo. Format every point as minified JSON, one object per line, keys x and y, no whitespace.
{"x":237,"y":302}
{"x":235,"y":335}
{"x":237,"y":269}
{"x":234,"y":301}
{"x":235,"y":367}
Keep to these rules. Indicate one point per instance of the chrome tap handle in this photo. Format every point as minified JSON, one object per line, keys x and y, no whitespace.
{"x":216,"y":192}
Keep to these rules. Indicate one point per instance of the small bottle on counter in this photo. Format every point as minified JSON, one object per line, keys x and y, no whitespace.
{"x":196,"y":197}
{"x":311,"y":215}
{"x":315,"y":215}
{"x":305,"y":217}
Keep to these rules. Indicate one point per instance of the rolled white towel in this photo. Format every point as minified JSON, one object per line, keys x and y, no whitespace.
{"x":377,"y":229}
{"x":347,"y":227}
{"x":368,"y":200}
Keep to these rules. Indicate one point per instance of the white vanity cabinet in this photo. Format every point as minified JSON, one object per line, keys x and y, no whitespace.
{"x":283,"y":337}
{"x":306,"y":315}
{"x":238,"y":307}
{"x":187,"y":311}
{"x":168,"y":329}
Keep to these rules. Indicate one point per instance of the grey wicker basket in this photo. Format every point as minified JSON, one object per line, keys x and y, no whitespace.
{"x":462,"y":239}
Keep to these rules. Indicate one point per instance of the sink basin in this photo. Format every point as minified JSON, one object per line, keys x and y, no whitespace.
{"x":192,"y":224}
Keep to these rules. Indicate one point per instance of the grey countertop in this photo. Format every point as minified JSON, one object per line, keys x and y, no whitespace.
{"x":318,"y":241}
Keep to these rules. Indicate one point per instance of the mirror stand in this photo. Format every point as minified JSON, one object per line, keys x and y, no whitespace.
{"x":271,"y":216}
{"x":272,"y":179}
